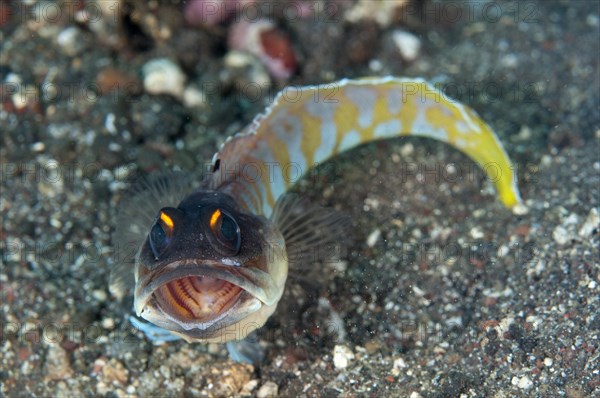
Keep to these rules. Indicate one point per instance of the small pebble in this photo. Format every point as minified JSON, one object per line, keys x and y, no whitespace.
{"x":26,"y":96}
{"x":591,"y":223}
{"x":38,"y":147}
{"x":408,"y":44}
{"x":382,"y":12}
{"x":57,"y":364}
{"x":503,"y":251}
{"x":373,"y":237}
{"x":592,"y":20}
{"x":267,"y":390}
{"x":375,"y":65}
{"x":524,"y":133}
{"x":561,"y":235}
{"x":524,"y":383}
{"x":114,"y":372}
{"x":250,"y":72}
{"x":546,"y":161}
{"x":68,"y":40}
{"x":111,"y":79}
{"x":520,"y":209}
{"x":99,"y":295}
{"x":407,"y":150}
{"x":476,"y":233}
{"x":509,"y":61}
{"x":342,"y":356}
{"x":194,"y":97}
{"x":108,"y":323}
{"x":56,"y":223}
{"x":399,"y":363}
{"x":249,"y":387}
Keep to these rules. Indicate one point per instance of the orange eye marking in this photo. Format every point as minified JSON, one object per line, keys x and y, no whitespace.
{"x":214,"y":218}
{"x":167,"y":220}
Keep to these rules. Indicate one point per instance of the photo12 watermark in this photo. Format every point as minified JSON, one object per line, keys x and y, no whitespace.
{"x":21,"y":94}
{"x":210,"y":12}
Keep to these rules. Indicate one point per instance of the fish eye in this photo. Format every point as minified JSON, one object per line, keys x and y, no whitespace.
{"x":225,"y":234}
{"x":161,"y":233}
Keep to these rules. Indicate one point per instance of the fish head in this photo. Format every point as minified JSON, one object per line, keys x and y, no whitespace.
{"x":208,"y":271}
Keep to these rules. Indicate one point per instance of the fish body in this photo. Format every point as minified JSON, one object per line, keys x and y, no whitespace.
{"x":212,"y":264}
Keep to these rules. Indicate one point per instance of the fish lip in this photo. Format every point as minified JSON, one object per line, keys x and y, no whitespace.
{"x":238,"y":276}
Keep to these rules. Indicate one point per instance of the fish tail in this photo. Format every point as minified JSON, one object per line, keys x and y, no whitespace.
{"x":306,"y":126}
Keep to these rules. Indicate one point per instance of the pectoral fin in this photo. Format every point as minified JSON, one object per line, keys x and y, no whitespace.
{"x":312,"y":233}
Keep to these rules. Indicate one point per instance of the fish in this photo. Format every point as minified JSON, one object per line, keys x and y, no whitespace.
{"x":212,"y":260}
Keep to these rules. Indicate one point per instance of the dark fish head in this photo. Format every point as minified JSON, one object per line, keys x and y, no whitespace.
{"x":208,"y":271}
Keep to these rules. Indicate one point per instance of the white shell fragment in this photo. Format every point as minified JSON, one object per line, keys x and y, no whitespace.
{"x":342,"y":356}
{"x":163,"y":76}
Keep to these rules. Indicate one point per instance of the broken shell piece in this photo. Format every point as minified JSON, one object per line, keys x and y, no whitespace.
{"x":163,"y":76}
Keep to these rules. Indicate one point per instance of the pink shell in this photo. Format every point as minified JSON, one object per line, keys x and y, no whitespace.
{"x":263,"y":39}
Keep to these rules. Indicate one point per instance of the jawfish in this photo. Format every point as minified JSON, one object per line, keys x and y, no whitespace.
{"x":213,"y":259}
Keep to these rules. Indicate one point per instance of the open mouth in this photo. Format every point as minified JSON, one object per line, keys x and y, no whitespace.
{"x":196,"y":298}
